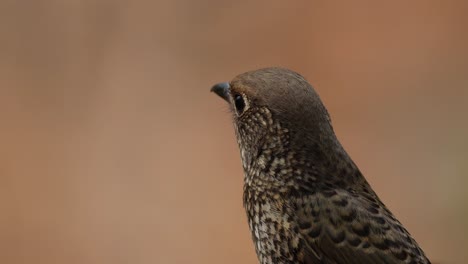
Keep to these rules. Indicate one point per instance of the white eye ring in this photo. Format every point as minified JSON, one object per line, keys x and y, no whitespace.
{"x":240,"y":103}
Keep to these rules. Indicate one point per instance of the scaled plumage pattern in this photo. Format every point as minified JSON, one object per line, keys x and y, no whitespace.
{"x":306,"y":200}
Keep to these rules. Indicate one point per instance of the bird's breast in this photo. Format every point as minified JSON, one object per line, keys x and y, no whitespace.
{"x":273,"y":230}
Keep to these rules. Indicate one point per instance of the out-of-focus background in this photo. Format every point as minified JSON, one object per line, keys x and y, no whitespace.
{"x":113,"y":150}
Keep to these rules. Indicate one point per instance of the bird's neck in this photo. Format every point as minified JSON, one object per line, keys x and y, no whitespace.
{"x":281,"y":165}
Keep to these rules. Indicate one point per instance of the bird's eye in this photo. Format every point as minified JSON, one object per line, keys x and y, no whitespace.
{"x":239,"y":103}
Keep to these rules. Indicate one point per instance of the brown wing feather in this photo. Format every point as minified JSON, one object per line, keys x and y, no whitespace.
{"x":339,"y":227}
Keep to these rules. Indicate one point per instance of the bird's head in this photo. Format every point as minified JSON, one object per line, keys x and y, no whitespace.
{"x":276,"y":110}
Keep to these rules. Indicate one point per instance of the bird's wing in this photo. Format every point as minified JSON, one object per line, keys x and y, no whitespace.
{"x":338,"y":226}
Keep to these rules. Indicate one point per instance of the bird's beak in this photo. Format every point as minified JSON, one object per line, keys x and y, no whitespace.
{"x":222,"y":89}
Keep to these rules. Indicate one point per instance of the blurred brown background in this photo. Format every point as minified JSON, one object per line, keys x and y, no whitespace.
{"x":112,"y":149}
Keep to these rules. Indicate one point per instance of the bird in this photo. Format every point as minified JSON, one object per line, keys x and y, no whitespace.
{"x":306,"y":200}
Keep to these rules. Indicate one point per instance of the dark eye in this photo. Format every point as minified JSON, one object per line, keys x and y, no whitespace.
{"x":239,"y":103}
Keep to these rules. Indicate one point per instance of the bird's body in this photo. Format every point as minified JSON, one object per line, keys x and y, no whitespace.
{"x":305,"y":199}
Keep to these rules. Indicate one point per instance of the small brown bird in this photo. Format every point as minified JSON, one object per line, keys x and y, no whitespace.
{"x":306,"y":200}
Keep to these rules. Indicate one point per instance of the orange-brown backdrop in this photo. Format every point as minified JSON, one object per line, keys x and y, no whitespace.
{"x":112,"y":149}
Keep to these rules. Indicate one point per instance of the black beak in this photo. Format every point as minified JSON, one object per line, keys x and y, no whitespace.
{"x":222,"y":89}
